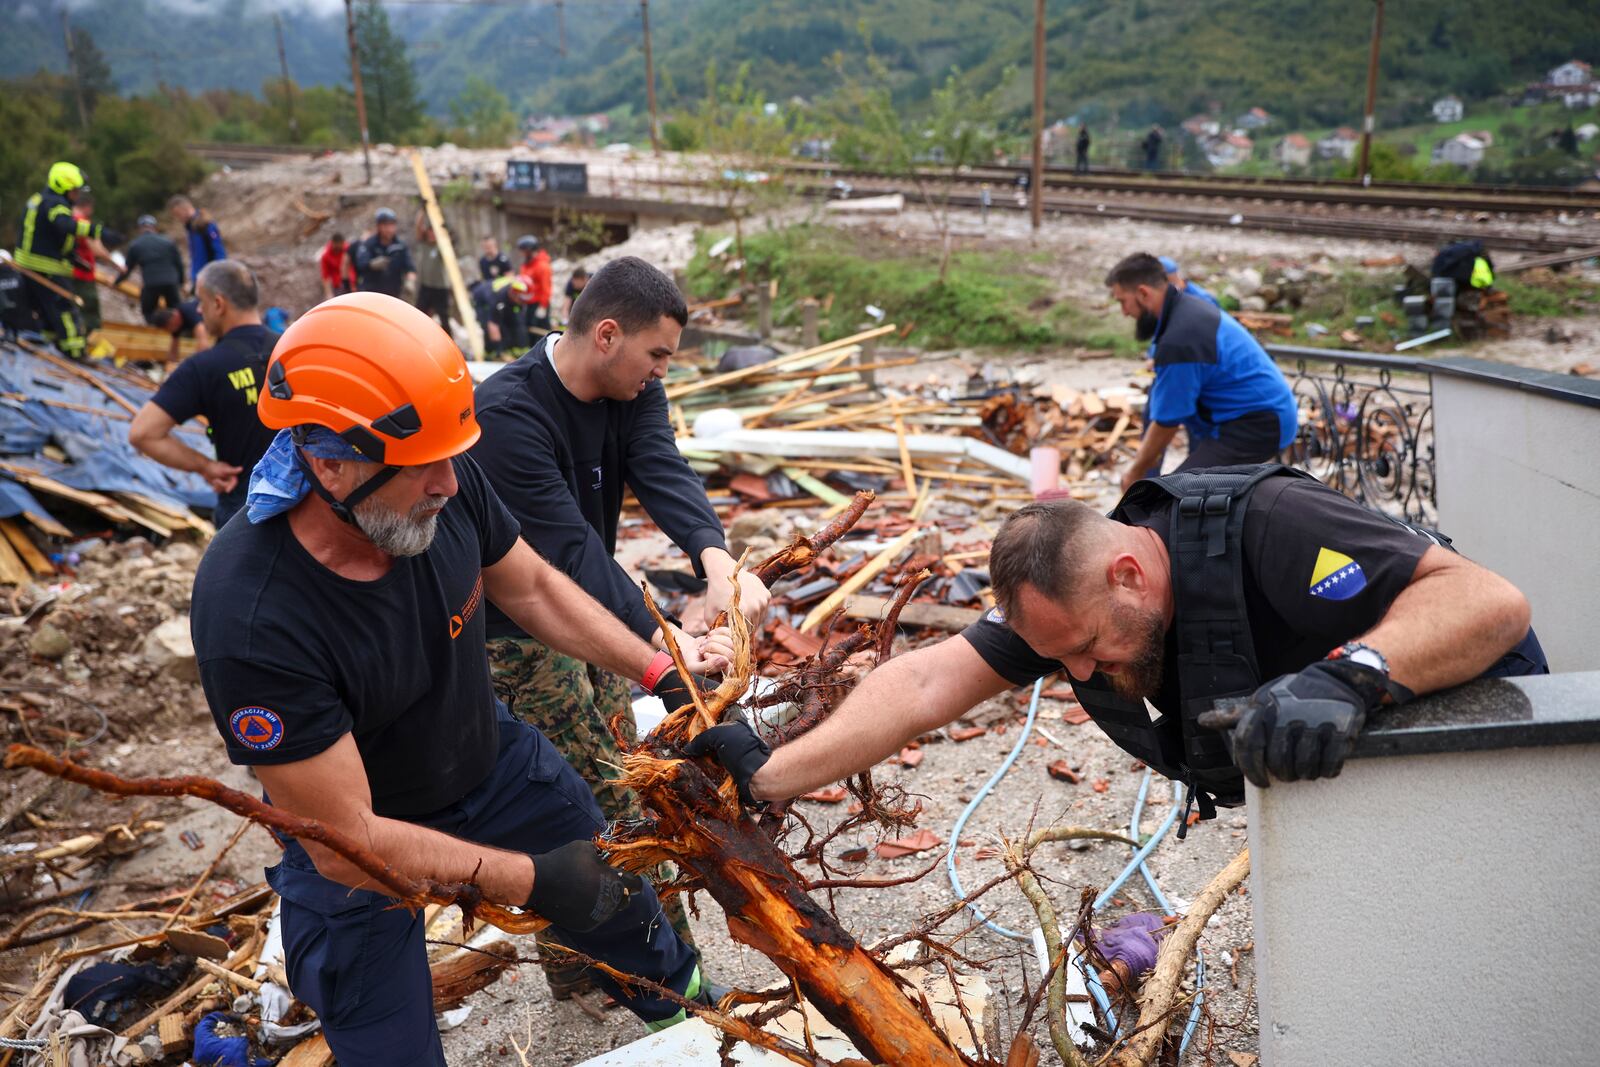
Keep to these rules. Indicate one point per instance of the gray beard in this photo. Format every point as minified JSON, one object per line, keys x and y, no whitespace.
{"x":396,"y":534}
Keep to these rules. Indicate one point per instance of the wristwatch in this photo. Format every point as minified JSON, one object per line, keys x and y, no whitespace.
{"x":1366,"y":655}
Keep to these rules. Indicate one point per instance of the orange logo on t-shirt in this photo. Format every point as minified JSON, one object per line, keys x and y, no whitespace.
{"x":459,"y":620}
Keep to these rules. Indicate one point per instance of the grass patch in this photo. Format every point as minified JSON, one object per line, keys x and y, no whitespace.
{"x":986,"y":300}
{"x":1546,"y":294}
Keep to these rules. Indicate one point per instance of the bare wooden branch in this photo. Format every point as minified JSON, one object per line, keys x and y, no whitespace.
{"x":411,"y":892}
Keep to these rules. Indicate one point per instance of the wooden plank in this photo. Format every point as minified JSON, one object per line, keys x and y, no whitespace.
{"x":869,"y":571}
{"x":105,"y":276}
{"x":5,"y":257}
{"x":312,"y":1052}
{"x":170,"y":1031}
{"x":46,"y":524}
{"x":12,"y":570}
{"x":80,"y":373}
{"x":37,"y":561}
{"x":447,"y":249}
{"x":816,"y":487}
{"x":932,"y":616}
{"x":674,"y":392}
{"x":708,"y":305}
{"x":67,"y":405}
{"x":95,"y":501}
{"x":905,"y":453}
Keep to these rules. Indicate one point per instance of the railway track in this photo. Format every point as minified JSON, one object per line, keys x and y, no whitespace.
{"x":1068,"y":194}
{"x":1491,"y":199}
{"x":1520,"y":239}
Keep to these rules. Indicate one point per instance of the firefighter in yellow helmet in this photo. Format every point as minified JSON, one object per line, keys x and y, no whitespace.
{"x":49,"y":233}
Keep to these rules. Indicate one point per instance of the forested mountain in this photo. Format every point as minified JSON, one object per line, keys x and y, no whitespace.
{"x":1131,"y":60}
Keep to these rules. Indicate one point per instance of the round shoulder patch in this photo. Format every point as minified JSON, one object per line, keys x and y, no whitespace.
{"x":257,"y":728}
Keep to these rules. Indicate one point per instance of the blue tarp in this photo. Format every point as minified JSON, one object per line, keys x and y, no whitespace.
{"x":90,"y":433}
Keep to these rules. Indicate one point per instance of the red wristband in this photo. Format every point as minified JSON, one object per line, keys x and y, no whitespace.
{"x":658,"y":666}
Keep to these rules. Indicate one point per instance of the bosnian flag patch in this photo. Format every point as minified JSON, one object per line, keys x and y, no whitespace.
{"x":1336,"y":576}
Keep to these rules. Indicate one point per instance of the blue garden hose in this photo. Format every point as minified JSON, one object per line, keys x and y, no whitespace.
{"x":1137,"y":863}
{"x":978,"y":798}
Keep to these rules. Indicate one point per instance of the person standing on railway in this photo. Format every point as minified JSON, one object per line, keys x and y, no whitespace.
{"x":1212,"y":377}
{"x":1083,"y":148}
{"x":1152,"y":148}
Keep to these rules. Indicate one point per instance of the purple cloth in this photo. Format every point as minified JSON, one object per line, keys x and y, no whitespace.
{"x":1133,"y":939}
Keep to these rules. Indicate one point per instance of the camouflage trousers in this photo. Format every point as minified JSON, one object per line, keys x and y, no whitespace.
{"x":572,"y":703}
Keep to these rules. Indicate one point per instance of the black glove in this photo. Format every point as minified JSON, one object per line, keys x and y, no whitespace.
{"x":576,"y":889}
{"x":1302,"y":725}
{"x":671,"y":689}
{"x":737,"y":748}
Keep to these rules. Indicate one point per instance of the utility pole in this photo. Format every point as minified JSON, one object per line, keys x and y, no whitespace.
{"x":355,"y":78}
{"x":77,"y":76}
{"x":288,"y":86}
{"x":649,"y":76}
{"x":1037,"y":181}
{"x":561,"y":25}
{"x":1372,"y":96}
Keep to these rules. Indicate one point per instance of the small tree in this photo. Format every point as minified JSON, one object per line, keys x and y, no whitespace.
{"x":929,"y":149}
{"x":744,"y":142}
{"x":393,"y":108}
{"x":481,"y":115}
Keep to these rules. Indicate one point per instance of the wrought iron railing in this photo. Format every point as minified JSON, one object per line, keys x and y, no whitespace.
{"x":1366,"y":426}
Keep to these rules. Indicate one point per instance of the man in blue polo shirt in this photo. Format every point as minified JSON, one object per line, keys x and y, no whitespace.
{"x":1212,"y":377}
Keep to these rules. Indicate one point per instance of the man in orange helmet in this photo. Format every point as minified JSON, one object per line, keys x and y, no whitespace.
{"x":340,"y":638}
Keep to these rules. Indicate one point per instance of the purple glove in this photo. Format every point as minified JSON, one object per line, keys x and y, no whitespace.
{"x":1133,"y":940}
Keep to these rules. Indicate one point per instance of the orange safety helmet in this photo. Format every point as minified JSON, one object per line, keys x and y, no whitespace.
{"x":377,"y":372}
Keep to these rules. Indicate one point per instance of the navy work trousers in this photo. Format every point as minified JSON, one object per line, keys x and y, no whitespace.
{"x":361,"y":964}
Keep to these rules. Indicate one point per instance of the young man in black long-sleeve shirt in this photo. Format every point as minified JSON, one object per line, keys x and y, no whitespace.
{"x":565,"y":428}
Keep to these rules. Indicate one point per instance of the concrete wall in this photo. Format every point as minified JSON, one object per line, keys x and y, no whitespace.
{"x":1518,"y":476}
{"x":1434,"y":909}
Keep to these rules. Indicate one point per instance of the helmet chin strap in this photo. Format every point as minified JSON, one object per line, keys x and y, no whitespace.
{"x":346,"y":508}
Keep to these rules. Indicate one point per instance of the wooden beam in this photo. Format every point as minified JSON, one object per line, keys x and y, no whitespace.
{"x":932,"y":616}
{"x":674,"y":392}
{"x":869,"y":571}
{"x":37,"y":561}
{"x":447,"y":249}
{"x":12,"y":570}
{"x":78,"y":372}
{"x":98,"y":502}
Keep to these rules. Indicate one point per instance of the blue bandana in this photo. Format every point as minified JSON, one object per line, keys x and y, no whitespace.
{"x":278,"y":481}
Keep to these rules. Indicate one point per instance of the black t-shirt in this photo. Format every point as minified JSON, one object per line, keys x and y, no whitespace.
{"x":1319,"y":570}
{"x":292,"y":656}
{"x":156,"y":258}
{"x":389,"y":279}
{"x":560,"y":464}
{"x":189,"y":312}
{"x":222,"y":383}
{"x":492,"y":267}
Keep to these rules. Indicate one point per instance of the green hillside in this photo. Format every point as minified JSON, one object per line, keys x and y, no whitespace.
{"x":1126,"y":63}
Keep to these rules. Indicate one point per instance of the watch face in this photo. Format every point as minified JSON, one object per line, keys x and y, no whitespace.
{"x":1367,"y":657}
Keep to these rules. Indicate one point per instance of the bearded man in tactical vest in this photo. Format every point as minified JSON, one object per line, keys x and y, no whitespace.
{"x":1253,"y":582}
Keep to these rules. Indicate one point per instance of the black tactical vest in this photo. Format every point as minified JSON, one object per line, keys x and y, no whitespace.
{"x":1216,"y":656}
